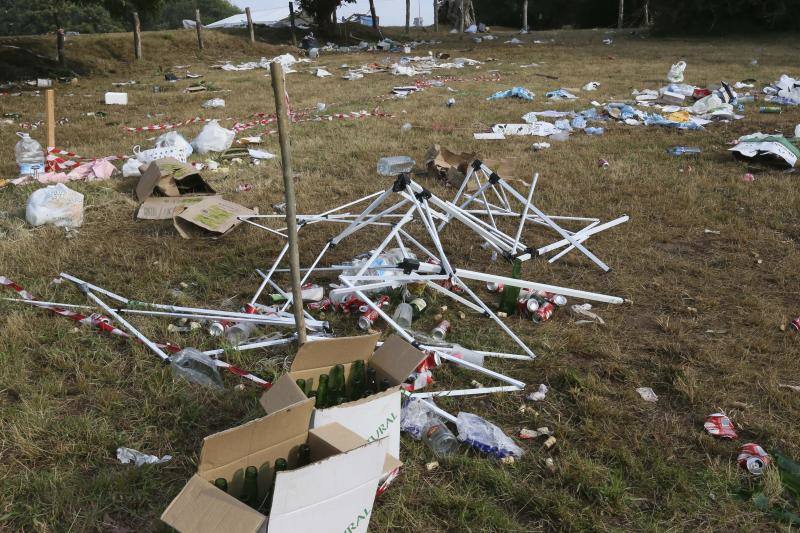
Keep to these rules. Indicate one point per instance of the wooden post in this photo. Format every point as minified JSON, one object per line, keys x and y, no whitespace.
{"x":373,"y":14}
{"x":408,"y":16}
{"x":291,"y":20}
{"x":279,"y":88}
{"x":199,"y":26}
{"x":60,"y":47}
{"x":250,"y":25}
{"x":621,"y":13}
{"x":50,"y":113}
{"x":435,"y":15}
{"x":137,"y":36}
{"x":647,"y":12}
{"x":525,"y":15}
{"x":461,"y":18}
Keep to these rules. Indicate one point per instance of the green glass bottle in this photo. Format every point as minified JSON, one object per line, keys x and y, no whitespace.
{"x":322,"y":393}
{"x":221,"y":483}
{"x":336,"y":382}
{"x":385,"y":384}
{"x":309,"y":390}
{"x":303,"y":455}
{"x":372,"y":381}
{"x":356,"y":380}
{"x":301,"y":383}
{"x":508,"y":300}
{"x":279,"y":466}
{"x":250,"y":488}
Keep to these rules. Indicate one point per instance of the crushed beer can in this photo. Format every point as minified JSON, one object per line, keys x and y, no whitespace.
{"x":544,"y":312}
{"x":795,"y":324}
{"x":441,"y":329}
{"x":719,"y":425}
{"x":366,"y":320}
{"x":753,"y":458}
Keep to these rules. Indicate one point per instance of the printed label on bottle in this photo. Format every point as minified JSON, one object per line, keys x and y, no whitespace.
{"x":419,"y":303}
{"x":30,"y":169}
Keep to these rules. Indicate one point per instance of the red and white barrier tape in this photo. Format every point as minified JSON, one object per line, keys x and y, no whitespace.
{"x":103,"y":323}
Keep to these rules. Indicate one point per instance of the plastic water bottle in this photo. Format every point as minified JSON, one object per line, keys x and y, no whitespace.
{"x":29,"y":155}
{"x":392,"y":166}
{"x":439,"y":438}
{"x":680,"y":150}
{"x":239,"y":332}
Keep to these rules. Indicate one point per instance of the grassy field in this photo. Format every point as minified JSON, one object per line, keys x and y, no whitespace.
{"x":703,"y":326}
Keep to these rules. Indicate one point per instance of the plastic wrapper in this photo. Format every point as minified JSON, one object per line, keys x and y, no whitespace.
{"x":514,"y":92}
{"x":129,"y":455}
{"x":675,"y":74}
{"x":131,"y":168}
{"x":57,"y":204}
{"x":195,"y":366}
{"x":485,"y":436}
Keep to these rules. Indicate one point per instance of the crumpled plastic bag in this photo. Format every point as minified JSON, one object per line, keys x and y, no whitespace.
{"x":561,"y":94}
{"x":584,"y":314}
{"x":707,"y":104}
{"x":485,"y":436}
{"x":128,"y":455}
{"x":403,"y":70}
{"x":173,"y":139}
{"x":131,"y":168}
{"x":213,"y":103}
{"x":57,"y":204}
{"x":414,"y":417}
{"x":193,"y":365}
{"x":591,"y":86}
{"x":515,"y":92}
{"x":675,"y":74}
{"x":213,"y":138}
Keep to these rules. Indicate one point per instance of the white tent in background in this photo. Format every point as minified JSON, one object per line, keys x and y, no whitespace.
{"x":390,"y":12}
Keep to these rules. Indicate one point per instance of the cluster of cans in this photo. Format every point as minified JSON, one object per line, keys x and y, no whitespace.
{"x":539,"y":306}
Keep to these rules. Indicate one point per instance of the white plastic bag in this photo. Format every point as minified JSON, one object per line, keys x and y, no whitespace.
{"x":146,"y":157}
{"x":213,"y":103}
{"x":675,"y":74}
{"x":57,"y":204}
{"x":131,"y":168}
{"x":213,"y":138}
{"x":173,"y":139}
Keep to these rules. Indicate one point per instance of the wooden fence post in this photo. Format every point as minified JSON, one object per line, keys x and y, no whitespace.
{"x":291,"y":20}
{"x":525,"y":15}
{"x":250,"y":25}
{"x":50,"y":113}
{"x":60,"y":47}
{"x":199,"y":25}
{"x":137,"y":36}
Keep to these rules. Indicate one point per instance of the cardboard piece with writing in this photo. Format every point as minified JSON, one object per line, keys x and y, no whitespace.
{"x":212,"y":216}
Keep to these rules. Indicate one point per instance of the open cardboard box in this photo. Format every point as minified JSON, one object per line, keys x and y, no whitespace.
{"x":376,"y":417}
{"x":166,"y":184}
{"x":335,"y":492}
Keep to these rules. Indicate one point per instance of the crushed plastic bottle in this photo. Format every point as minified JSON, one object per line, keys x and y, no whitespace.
{"x":392,"y":166}
{"x":239,"y":333}
{"x":681,"y":150}
{"x":29,"y":155}
{"x":403,"y":315}
{"x":485,"y":436}
{"x":193,"y":365}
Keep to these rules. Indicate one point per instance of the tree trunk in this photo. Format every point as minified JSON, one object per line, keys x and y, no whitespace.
{"x":408,"y":15}
{"x":324,"y":16}
{"x":373,"y":15}
{"x":450,"y":12}
{"x":647,"y":12}
{"x":621,"y":13}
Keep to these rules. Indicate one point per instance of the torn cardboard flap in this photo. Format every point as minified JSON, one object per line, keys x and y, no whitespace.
{"x":170,"y":177}
{"x":213,"y":215}
{"x":447,"y":165}
{"x":162,"y":207}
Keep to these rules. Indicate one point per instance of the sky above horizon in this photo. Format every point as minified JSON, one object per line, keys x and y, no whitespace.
{"x":390,"y":12}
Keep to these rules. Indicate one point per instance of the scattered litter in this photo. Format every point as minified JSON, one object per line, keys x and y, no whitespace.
{"x":591,"y":86}
{"x":116,"y":98}
{"x":719,"y":425}
{"x":515,"y":92}
{"x":585,"y":315}
{"x":322,"y":73}
{"x":540,"y":146}
{"x":603,"y":163}
{"x":433,"y":465}
{"x":213,"y":103}
{"x":260,"y":154}
{"x":128,"y":455}
{"x":527,"y":434}
{"x":195,"y":366}
{"x":647,"y":394}
{"x":769,"y":149}
{"x":539,"y":395}
{"x":795,"y":388}
{"x":711,"y":231}
{"x":675,"y":74}
{"x":57,"y":205}
{"x":561,"y":94}
{"x":405,"y":128}
{"x":753,"y":458}
{"x":485,"y":436}
{"x":681,"y":150}
{"x":213,"y":138}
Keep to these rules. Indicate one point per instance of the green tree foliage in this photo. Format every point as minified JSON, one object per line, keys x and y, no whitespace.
{"x":549,"y":14}
{"x":725,"y":16}
{"x":23,"y":17}
{"x":174,"y":11}
{"x":322,"y":11}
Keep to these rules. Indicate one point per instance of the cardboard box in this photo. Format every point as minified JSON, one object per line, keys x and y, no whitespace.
{"x":376,"y":417}
{"x":335,"y":492}
{"x":166,"y":184}
{"x":212,"y":216}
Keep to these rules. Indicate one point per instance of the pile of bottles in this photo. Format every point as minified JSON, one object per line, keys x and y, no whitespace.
{"x":332,"y":388}
{"x":250,"y":494}
{"x":536,"y":305}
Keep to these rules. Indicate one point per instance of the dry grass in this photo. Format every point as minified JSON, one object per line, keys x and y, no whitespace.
{"x":69,"y":397}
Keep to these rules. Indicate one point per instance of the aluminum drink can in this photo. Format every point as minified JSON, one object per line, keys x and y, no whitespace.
{"x":527,"y":306}
{"x":544,"y":312}
{"x":440,"y":331}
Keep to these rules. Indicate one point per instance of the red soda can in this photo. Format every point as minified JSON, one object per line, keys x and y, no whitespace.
{"x":322,"y":305}
{"x":795,"y":324}
{"x":441,"y":330}
{"x":370,"y":315}
{"x":602,"y":163}
{"x":494,"y":286}
{"x":244,"y":187}
{"x":544,"y":312}
{"x":527,"y":306}
{"x":753,"y":458}
{"x":250,"y":309}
